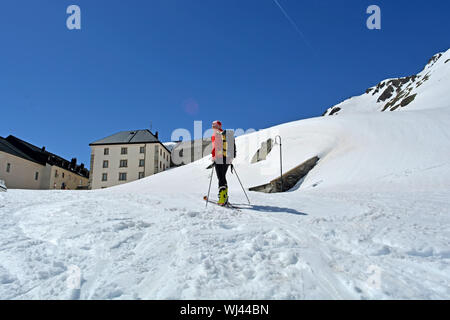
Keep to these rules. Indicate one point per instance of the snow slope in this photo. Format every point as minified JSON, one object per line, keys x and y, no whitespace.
{"x":426,"y":90}
{"x":370,"y":221}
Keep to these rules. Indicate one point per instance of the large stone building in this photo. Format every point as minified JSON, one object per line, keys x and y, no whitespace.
{"x":25,"y":166}
{"x":185,"y":152}
{"x":127,"y":156}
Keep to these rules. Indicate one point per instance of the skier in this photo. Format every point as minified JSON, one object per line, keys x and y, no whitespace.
{"x":223,"y":152}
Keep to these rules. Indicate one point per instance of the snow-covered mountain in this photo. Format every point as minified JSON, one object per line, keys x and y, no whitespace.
{"x":425,"y":90}
{"x":370,"y":221}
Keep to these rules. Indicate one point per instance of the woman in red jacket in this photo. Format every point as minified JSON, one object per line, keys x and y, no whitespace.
{"x":220,"y":162}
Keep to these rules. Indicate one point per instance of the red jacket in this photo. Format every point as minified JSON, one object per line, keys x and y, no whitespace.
{"x":216,"y":146}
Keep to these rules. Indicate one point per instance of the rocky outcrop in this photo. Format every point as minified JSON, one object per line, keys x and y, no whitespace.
{"x":433,"y":59}
{"x":392,"y":94}
{"x":335,"y":111}
{"x":387,"y":94}
{"x":408,"y":100}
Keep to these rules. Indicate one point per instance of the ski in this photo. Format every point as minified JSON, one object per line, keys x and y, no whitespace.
{"x":228,"y":205}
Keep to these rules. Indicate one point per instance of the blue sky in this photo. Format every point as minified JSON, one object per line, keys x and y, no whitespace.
{"x":170,"y":62}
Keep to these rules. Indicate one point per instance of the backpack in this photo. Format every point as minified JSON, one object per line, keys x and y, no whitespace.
{"x":226,"y":146}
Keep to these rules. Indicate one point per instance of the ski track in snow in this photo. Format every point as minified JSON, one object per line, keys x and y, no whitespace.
{"x":132,"y":246}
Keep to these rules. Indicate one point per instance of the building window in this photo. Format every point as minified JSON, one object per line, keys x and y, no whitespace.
{"x":105,"y":163}
{"x":122,"y":176}
{"x":56,"y":173}
{"x":124,"y":151}
{"x":8,"y":167}
{"x":164,"y":167}
{"x":123,"y":163}
{"x":36,"y":176}
{"x":141,"y":175}
{"x":160,"y":152}
{"x":142,"y":150}
{"x":105,"y":177}
{"x":63,"y":175}
{"x":106,"y":151}
{"x":160,"y":165}
{"x":141,"y":163}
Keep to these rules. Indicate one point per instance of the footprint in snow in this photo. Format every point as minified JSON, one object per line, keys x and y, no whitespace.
{"x":193,"y":214}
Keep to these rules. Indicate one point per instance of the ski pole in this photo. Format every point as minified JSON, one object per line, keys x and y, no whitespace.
{"x":209,"y":189}
{"x":234,"y":169}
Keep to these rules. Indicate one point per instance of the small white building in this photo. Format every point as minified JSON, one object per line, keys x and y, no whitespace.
{"x":126,"y":156}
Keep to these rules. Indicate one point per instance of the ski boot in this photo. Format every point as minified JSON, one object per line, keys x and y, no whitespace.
{"x":223,"y":196}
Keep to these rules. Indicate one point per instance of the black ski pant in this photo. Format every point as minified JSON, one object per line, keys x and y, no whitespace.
{"x":221,"y":171}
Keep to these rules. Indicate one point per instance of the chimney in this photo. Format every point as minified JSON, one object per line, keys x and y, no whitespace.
{"x":43,"y":149}
{"x":156,"y":134}
{"x":73,"y":163}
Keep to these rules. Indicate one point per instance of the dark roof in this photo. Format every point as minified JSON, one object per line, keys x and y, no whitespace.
{"x":128,"y":137}
{"x":7,"y":147}
{"x":41,"y":156}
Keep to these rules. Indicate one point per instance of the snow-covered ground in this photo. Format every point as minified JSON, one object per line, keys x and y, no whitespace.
{"x":314,"y":245}
{"x":370,"y":221}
